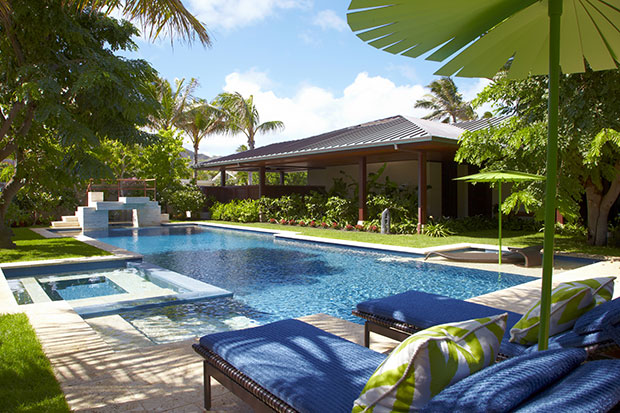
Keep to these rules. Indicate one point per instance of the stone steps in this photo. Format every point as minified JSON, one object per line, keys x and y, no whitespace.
{"x":68,"y":221}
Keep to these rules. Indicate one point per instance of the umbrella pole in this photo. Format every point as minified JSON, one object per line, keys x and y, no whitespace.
{"x":500,"y":222}
{"x":555,"y":12}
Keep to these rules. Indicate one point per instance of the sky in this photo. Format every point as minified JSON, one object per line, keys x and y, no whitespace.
{"x":301,"y":62}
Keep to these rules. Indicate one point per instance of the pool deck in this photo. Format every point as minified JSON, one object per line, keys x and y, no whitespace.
{"x":126,"y":372}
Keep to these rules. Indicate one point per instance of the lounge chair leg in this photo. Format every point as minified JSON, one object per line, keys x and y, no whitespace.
{"x":366,"y":335}
{"x":207,"y":387}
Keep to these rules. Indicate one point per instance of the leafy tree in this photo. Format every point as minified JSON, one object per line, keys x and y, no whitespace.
{"x":63,"y":89}
{"x":200,"y":121}
{"x":243,"y":116}
{"x":445,"y":102}
{"x":156,"y":16}
{"x":174,"y":102}
{"x":589,"y":144}
{"x":161,"y":160}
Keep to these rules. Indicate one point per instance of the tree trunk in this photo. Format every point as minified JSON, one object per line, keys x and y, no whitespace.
{"x":196,"y":161}
{"x":599,"y":205}
{"x":5,"y":235}
{"x":593,"y":202}
{"x":6,"y":197}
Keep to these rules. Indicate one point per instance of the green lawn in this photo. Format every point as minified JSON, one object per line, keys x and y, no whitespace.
{"x":32,"y":247}
{"x":27,"y":383}
{"x":509,"y":238}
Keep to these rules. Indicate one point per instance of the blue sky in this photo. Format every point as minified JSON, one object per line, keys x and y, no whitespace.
{"x":301,"y":62}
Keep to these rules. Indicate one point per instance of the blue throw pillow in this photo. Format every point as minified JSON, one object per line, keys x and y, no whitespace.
{"x":592,"y":387}
{"x":599,"y":318}
{"x":505,"y":385}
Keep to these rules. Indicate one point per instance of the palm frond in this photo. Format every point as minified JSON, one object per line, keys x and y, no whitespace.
{"x":272,"y":126}
{"x":156,"y":17}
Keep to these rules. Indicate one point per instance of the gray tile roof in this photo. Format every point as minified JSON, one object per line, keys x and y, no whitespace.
{"x":383,"y":132}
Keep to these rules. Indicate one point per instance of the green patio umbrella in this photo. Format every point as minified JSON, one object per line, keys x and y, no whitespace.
{"x":499,"y":177}
{"x":478,"y":38}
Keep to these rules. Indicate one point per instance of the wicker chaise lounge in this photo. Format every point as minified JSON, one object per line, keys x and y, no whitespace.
{"x":290,"y":366}
{"x":401,"y":315}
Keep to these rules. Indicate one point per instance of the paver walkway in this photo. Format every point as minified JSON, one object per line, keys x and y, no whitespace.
{"x":161,"y":378}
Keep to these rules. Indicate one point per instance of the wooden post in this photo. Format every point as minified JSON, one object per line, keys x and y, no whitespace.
{"x":261,"y":181}
{"x":281,"y":177}
{"x":421,"y":191}
{"x":222,"y":176}
{"x":362,"y":181}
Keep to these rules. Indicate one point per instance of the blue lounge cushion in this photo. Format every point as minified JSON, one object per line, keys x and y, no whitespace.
{"x":505,"y":385}
{"x":599,"y":318}
{"x":308,"y":368}
{"x":593,"y":387}
{"x":425,"y":310}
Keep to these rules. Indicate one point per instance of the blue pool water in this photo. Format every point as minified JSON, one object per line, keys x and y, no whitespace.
{"x":75,"y":289}
{"x":275,"y":279}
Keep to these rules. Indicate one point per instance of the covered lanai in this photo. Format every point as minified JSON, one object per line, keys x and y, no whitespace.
{"x":416,"y":152}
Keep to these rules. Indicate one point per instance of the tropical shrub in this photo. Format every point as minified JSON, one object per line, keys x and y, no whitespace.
{"x":340,"y":209}
{"x":238,"y":210}
{"x":316,"y":205}
{"x":437,"y":229}
{"x":572,"y":229}
{"x":407,"y":226}
{"x":35,"y":205}
{"x":186,"y":198}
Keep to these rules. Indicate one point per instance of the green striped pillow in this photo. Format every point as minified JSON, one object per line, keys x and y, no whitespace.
{"x":569,"y":301}
{"x":430,"y":360}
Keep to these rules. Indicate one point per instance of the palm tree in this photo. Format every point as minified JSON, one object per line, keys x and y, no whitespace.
{"x":446,"y":102}
{"x":155,"y":16}
{"x":243,"y":116}
{"x":200,"y":121}
{"x":173,"y":102}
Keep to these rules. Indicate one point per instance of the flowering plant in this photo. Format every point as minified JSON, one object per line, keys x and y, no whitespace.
{"x":359,"y":227}
{"x":349,"y":227}
{"x":324,"y":224}
{"x":292,"y":222}
{"x":335,"y":225}
{"x":313,"y":224}
{"x":302,"y":224}
{"x":283,"y":221}
{"x":373,"y":228}
{"x":273,"y":221}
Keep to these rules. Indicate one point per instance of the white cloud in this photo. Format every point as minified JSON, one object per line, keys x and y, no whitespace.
{"x":312,"y":110}
{"x":328,"y":19}
{"x":470,"y":93}
{"x":231,"y":14}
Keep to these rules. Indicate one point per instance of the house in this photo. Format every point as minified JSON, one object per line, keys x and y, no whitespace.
{"x":417,"y":152}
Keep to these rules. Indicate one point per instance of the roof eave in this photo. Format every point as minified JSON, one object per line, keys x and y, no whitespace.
{"x":437,"y":139}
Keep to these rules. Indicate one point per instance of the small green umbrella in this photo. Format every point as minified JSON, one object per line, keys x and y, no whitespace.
{"x":499,"y":177}
{"x":479,"y":38}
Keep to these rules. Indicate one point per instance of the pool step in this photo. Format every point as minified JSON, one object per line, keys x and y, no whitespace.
{"x":68,"y":221}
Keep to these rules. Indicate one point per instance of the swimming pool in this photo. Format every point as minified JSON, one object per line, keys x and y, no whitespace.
{"x":274,"y":279}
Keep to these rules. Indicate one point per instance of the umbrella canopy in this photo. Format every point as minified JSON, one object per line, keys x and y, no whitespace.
{"x":516,"y":30}
{"x":479,"y":38}
{"x":499,"y":177}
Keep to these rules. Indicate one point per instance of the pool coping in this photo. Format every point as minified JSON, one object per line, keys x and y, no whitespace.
{"x":294,"y":235}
